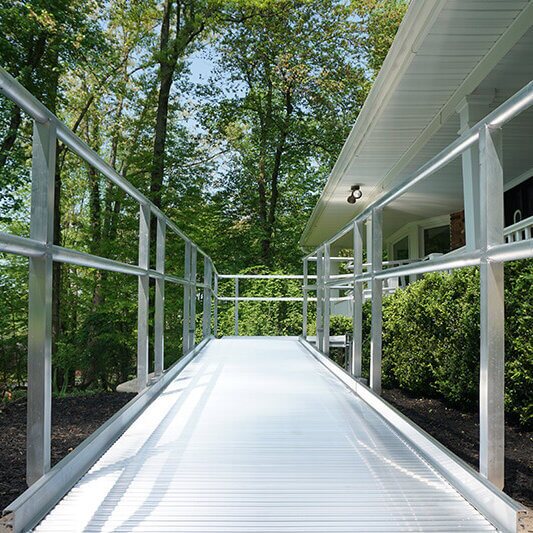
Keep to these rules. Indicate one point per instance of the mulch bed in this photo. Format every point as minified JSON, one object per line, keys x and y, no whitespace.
{"x":459,"y":431}
{"x":73,"y":420}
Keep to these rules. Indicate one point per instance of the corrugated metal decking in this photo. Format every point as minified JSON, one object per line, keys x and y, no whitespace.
{"x":255,"y":435}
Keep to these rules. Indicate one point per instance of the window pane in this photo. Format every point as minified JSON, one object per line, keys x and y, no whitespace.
{"x":400,"y":250}
{"x":437,"y":240}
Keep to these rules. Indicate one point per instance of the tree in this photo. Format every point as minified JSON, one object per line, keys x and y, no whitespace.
{"x":291,"y":81}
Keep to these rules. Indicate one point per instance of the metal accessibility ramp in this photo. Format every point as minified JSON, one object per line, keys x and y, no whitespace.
{"x":256,"y":435}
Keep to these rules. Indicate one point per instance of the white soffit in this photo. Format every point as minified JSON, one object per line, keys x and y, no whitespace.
{"x":444,"y":50}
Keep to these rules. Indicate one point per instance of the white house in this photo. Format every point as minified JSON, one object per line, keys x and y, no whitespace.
{"x":451,"y":63}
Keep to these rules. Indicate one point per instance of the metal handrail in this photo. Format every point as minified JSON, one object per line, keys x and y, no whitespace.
{"x":487,"y":246}
{"x":42,"y":252}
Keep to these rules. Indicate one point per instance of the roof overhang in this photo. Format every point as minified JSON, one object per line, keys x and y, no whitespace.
{"x":444,"y":51}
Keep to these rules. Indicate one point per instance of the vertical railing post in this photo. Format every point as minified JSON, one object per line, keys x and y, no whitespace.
{"x":186,"y":296}
{"x":215,"y":306}
{"x":319,"y":308}
{"x":39,"y":408}
{"x":492,"y":311}
{"x":377,"y":301}
{"x":192,"y":299}
{"x":236,"y":308}
{"x":357,"y":311}
{"x":206,"y":318}
{"x":326,"y":295}
{"x":159,"y":314}
{"x":143,"y":297}
{"x":304,"y":295}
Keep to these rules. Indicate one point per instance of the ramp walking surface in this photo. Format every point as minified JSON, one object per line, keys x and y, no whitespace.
{"x":255,"y":435}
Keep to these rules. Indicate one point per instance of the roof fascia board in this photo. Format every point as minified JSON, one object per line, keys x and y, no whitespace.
{"x":416,"y":24}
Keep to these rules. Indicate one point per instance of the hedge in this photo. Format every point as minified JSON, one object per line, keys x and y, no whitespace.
{"x":431,"y":338}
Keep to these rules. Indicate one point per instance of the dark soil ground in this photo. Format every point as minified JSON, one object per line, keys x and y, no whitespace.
{"x":459,"y":431}
{"x":73,"y":420}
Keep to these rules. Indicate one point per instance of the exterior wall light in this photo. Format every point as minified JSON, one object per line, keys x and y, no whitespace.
{"x":355,"y":194}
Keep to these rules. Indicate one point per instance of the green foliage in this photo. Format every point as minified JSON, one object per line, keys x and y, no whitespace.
{"x":431,"y":334}
{"x":519,"y":340}
{"x":431,"y":338}
{"x":262,"y":318}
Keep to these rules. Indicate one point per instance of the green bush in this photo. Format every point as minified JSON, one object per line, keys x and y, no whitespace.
{"x":431,"y":338}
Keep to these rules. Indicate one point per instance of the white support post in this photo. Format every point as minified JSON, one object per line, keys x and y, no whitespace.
{"x":305,"y":295}
{"x":357,"y":311}
{"x":377,"y":301}
{"x":472,"y":109}
{"x":326,"y":296}
{"x":206,"y":318}
{"x":186,"y":297}
{"x":492,"y":318}
{"x":159,"y":314}
{"x":236,"y":308}
{"x":143,"y":297}
{"x":319,"y":308}
{"x":215,"y":306}
{"x":192,"y":299}
{"x":39,"y":410}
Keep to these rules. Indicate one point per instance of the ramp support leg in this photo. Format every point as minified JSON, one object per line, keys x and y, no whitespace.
{"x":492,"y":319}
{"x":143,"y":297}
{"x":326,"y":295}
{"x":377,"y":301}
{"x":305,"y":296}
{"x":159,"y":316}
{"x":208,"y":280}
{"x":186,"y":297}
{"x":357,"y":311}
{"x":236,"y":307}
{"x":40,"y":304}
{"x":319,"y":308}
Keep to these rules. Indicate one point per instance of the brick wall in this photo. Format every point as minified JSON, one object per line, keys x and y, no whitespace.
{"x":457,"y":230}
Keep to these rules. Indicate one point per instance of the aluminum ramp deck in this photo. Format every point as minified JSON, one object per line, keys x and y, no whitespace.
{"x":256,"y":435}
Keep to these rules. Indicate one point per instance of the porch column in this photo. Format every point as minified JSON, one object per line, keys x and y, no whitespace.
{"x":472,"y":109}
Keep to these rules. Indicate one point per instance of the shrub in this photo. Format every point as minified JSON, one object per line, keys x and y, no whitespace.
{"x":431,"y":338}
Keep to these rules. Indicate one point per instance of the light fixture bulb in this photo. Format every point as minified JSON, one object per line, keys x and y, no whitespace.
{"x":355,"y":194}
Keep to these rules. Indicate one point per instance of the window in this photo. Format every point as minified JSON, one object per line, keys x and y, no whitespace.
{"x":518,"y":202}
{"x":400,"y":250}
{"x":437,"y":240}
